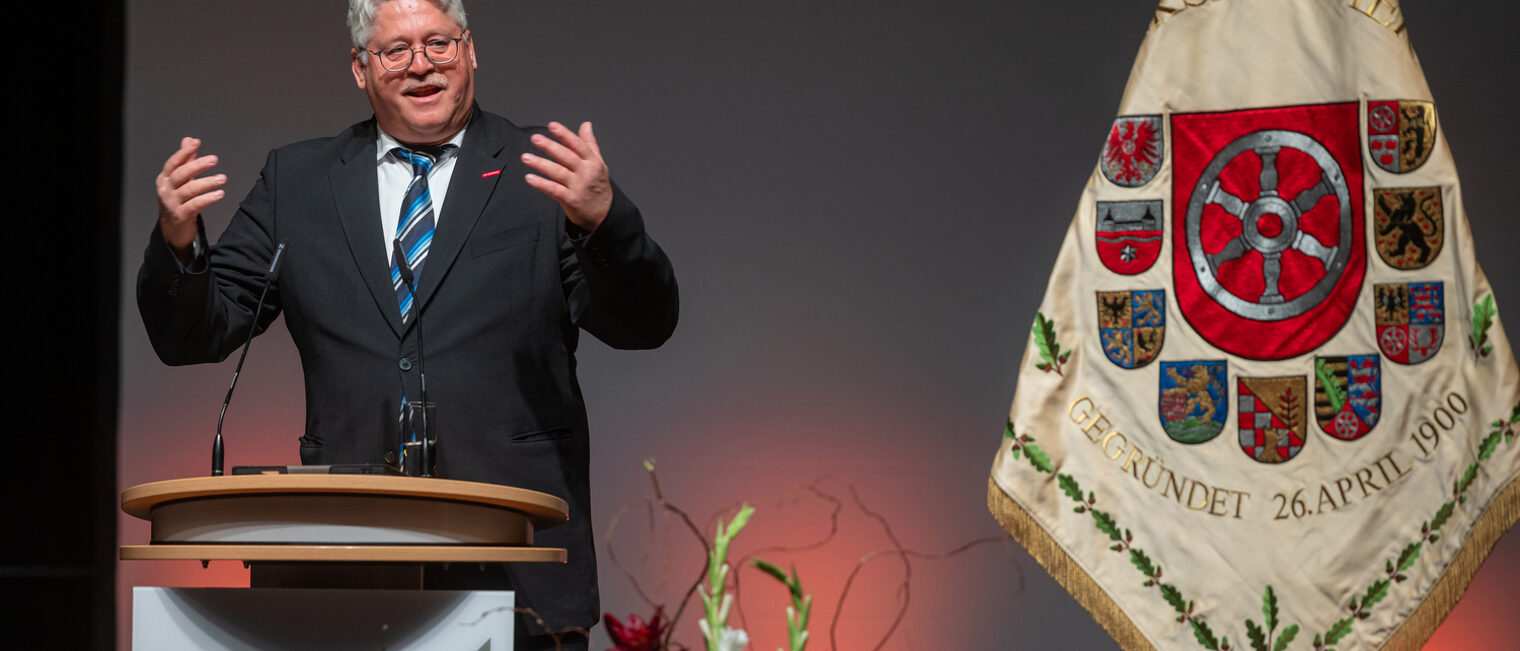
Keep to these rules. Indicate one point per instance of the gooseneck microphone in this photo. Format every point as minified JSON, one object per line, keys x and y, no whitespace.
{"x":269,"y":278}
{"x":405,"y":269}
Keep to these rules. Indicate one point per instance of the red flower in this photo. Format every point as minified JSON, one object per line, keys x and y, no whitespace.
{"x":637,"y":635}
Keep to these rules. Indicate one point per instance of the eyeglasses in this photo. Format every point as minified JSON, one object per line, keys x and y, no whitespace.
{"x":439,"y":51}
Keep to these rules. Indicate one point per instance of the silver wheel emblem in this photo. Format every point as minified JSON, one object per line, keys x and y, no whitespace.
{"x":1271,"y":305}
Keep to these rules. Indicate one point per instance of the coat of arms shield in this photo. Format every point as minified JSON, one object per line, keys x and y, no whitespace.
{"x":1132,"y":152}
{"x":1132,"y":326}
{"x":1194,"y":400}
{"x":1400,"y":134}
{"x":1408,"y":225}
{"x":1129,"y":235}
{"x":1272,"y":417}
{"x":1411,"y":320}
{"x":1268,"y":245}
{"x":1348,"y":395}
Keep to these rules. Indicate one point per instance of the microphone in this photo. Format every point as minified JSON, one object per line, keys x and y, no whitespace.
{"x":402,"y":265}
{"x":269,"y":277}
{"x":408,"y":277}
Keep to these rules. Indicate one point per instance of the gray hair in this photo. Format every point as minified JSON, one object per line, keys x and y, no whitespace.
{"x":361,"y":18}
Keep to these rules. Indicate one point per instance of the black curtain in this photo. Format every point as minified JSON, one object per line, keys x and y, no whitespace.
{"x":63,"y":237}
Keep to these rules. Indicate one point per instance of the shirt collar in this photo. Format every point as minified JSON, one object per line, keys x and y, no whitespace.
{"x":385,"y":143}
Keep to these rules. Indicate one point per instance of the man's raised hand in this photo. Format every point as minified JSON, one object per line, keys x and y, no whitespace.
{"x":576,"y":177}
{"x":183,"y":194}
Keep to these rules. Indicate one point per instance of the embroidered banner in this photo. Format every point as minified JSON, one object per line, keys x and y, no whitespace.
{"x":1268,"y":402}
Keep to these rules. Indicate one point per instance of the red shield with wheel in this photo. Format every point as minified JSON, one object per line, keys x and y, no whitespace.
{"x":1268,"y":251}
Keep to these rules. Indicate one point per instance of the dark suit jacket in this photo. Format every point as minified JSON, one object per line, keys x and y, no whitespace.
{"x":503,"y":296}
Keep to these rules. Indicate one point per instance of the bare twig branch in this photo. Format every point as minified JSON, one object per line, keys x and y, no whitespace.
{"x":905,"y":554}
{"x":833,"y":530}
{"x":905,"y":589}
{"x":612,"y":549}
{"x":659,"y":497}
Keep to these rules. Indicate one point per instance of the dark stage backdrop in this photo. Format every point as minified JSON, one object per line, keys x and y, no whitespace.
{"x":862,"y":200}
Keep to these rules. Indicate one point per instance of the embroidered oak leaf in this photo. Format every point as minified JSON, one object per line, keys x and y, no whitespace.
{"x":1482,"y":320}
{"x":1331,"y":384}
{"x":1144,"y":564}
{"x":1487,"y":447}
{"x":1025,"y":443}
{"x":1375,"y":593}
{"x":1261,"y":638}
{"x":1257,"y":636}
{"x":1038,"y":458}
{"x":1107,"y":525}
{"x":1465,"y":481}
{"x":1269,"y":608}
{"x":1337,"y":631}
{"x":1205,"y":635}
{"x":1442,"y":515}
{"x":1406,"y":560}
{"x":1072,"y":490}
{"x":1173,"y":596}
{"x":1287,"y":638}
{"x":1018,"y":442}
{"x":1408,"y":556}
{"x":1050,"y":350}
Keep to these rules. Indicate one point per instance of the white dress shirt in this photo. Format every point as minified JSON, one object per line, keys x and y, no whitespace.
{"x":395,"y":174}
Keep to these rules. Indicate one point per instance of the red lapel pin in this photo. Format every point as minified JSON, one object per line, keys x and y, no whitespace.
{"x":490,"y":174}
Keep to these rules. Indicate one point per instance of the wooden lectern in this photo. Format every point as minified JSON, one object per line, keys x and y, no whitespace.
{"x":335,"y":561}
{"x":340,"y":531}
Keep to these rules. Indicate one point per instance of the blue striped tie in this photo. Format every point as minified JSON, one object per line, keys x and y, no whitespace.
{"x":415,"y":227}
{"x":415,"y":230}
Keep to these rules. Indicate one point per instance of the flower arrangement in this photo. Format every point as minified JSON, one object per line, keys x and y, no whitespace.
{"x":718,"y":586}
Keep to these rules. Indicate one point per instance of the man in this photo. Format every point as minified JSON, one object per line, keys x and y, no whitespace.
{"x":513,"y":252}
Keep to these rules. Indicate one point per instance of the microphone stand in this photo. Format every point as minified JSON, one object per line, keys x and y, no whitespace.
{"x":217,"y":448}
{"x":408,"y":277}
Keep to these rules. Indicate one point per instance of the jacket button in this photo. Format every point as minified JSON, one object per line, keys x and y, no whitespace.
{"x":390,"y":457}
{"x":405,"y":364}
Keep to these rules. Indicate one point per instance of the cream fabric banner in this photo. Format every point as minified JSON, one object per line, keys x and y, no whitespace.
{"x":1267,"y":402}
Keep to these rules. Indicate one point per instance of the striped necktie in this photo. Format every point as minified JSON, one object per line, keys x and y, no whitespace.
{"x":415,"y":227}
{"x":415,"y":231}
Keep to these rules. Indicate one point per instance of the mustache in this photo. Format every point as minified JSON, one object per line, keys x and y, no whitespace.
{"x":434,"y":78}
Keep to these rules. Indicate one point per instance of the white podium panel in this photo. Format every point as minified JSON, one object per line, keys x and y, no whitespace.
{"x":244,"y":619}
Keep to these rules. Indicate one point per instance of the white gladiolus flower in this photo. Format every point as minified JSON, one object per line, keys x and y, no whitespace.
{"x":732,"y":639}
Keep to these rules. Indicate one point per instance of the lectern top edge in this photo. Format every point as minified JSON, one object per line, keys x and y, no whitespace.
{"x":546,"y":510}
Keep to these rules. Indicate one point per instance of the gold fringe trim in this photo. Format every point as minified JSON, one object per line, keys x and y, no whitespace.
{"x":1066,"y":571}
{"x":1502,"y":513}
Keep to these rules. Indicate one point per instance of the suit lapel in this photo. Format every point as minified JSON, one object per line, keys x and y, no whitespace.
{"x":490,"y":145}
{"x":356,"y":190}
